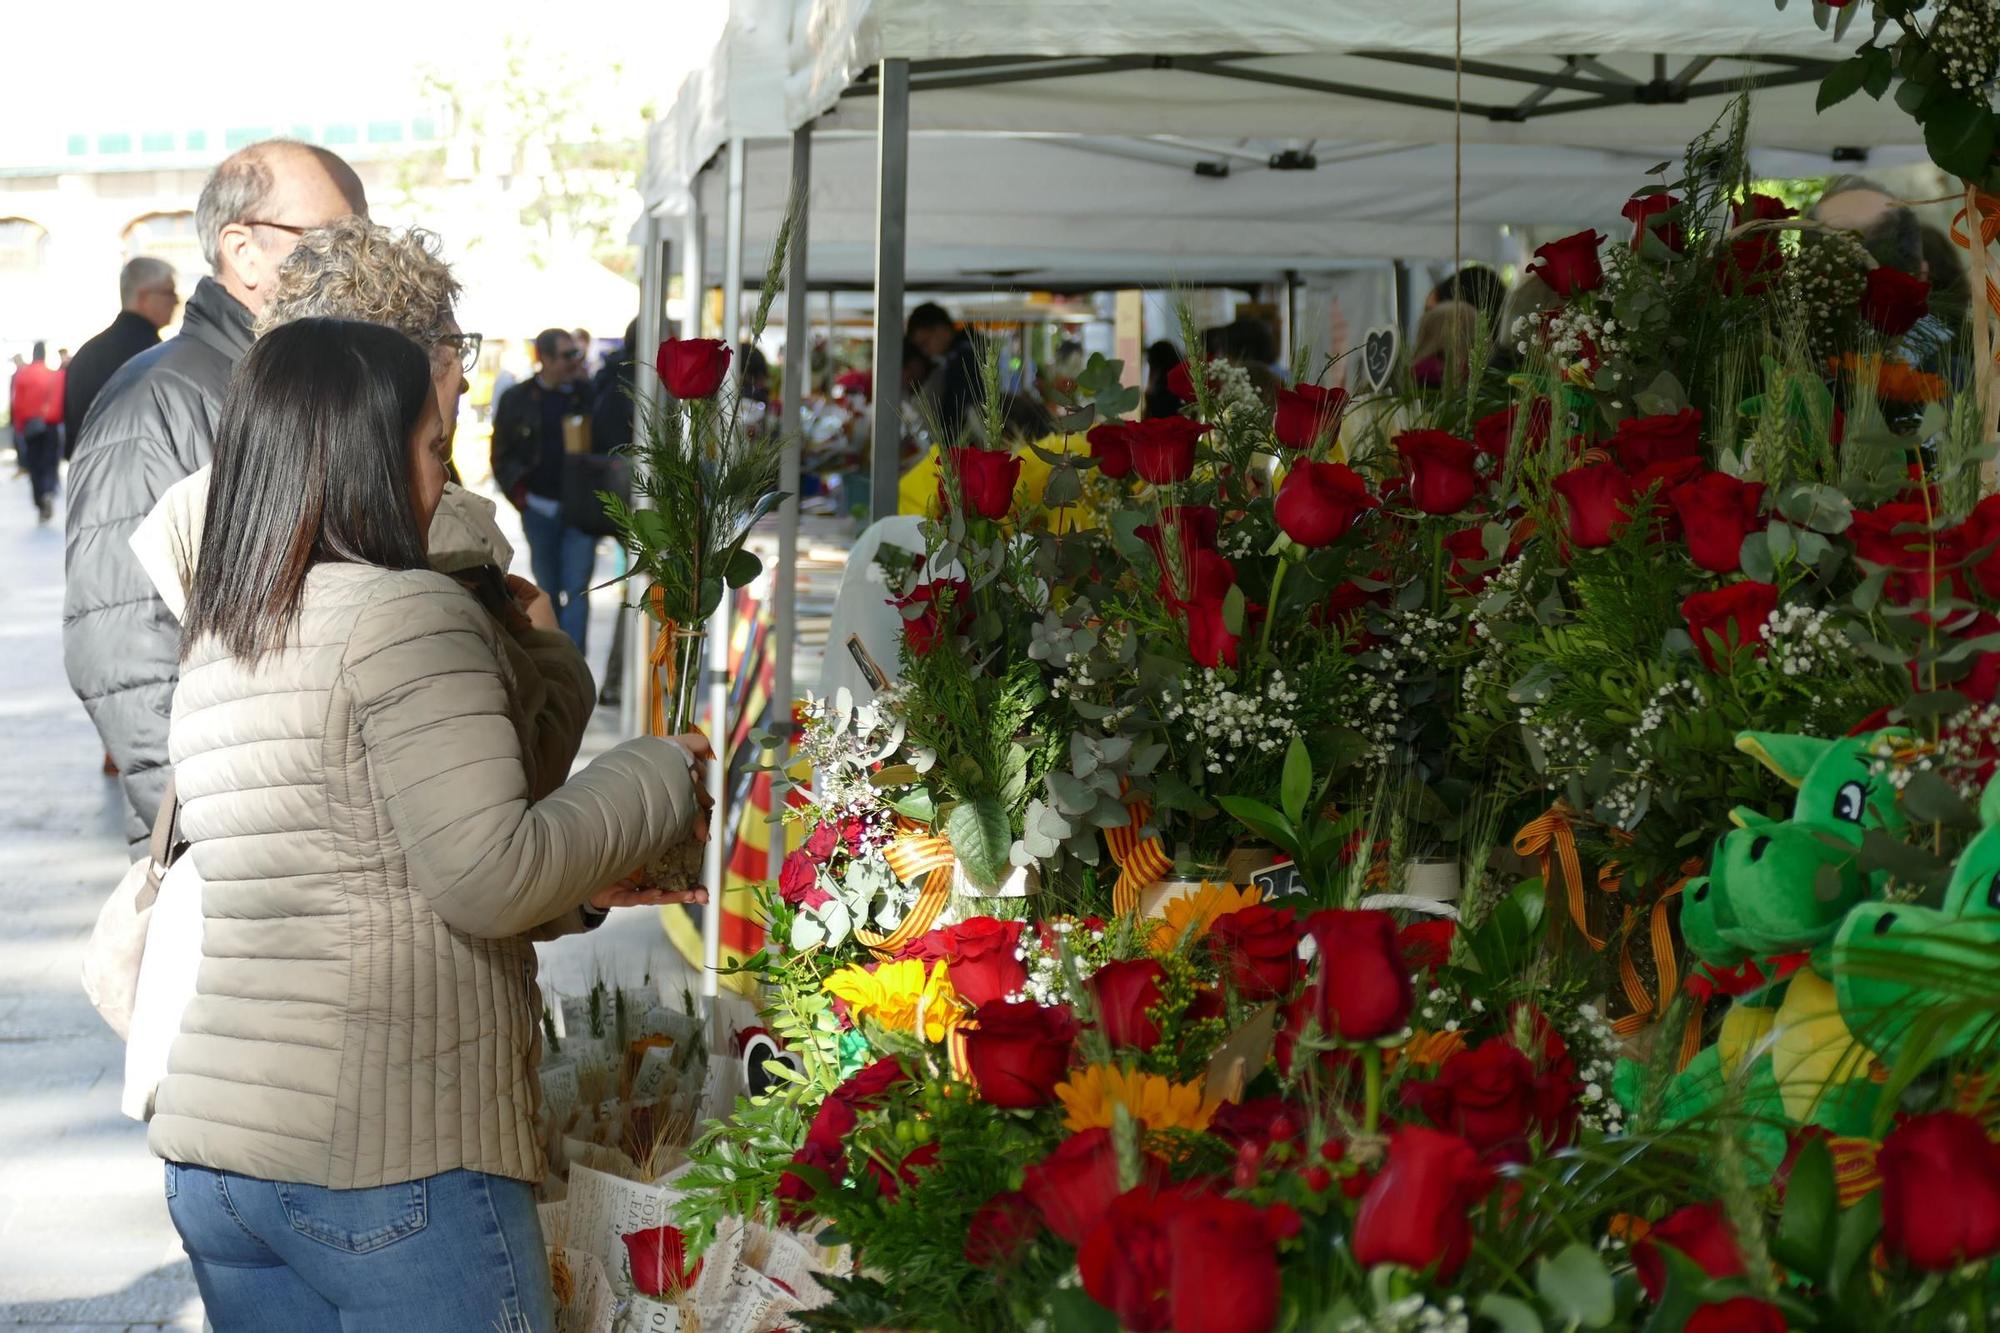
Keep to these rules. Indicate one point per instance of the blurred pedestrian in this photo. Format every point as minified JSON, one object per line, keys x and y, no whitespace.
{"x":956,"y":386}
{"x":152,"y":424}
{"x":535,"y":427}
{"x":36,"y":407}
{"x":1160,"y":401}
{"x":1477,"y":286}
{"x":585,"y":366}
{"x":146,"y":304}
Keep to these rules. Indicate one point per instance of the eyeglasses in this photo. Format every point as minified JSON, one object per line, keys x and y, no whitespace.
{"x":572,"y":354}
{"x":275,"y":226}
{"x":467,"y":346}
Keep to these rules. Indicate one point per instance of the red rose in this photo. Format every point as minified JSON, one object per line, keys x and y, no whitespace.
{"x":1717,"y":512}
{"x":798,"y":882}
{"x":1108,"y":448}
{"x":1225,"y":1277}
{"x":1739,"y":1314}
{"x":1753,"y":262}
{"x":659,"y":1261}
{"x":1415,"y":1211}
{"x":1494,"y":433}
{"x":1640,"y":442}
{"x":1127,"y":1260}
{"x":1640,"y":212}
{"x":1570,"y":266}
{"x":1162,"y":448}
{"x":1005,"y":1225}
{"x":892,"y":1183}
{"x":821,"y":842}
{"x":925,"y":631}
{"x":1180,"y":382}
{"x":1762,"y":208}
{"x":1895,"y":301}
{"x":692,"y":367}
{"x":1072,"y":1188}
{"x":853,"y":832}
{"x":1940,"y":1192}
{"x":986,"y":477}
{"x":1978,"y":541}
{"x":982,"y":959}
{"x":1484,"y":1095}
{"x":1467,"y":547}
{"x":1341,"y":611}
{"x":1193,"y":528}
{"x":1318,"y":502}
{"x":1017,"y":1053}
{"x":1701,"y":1231}
{"x":1260,"y":1122}
{"x":1125,"y":992}
{"x":1734,"y":614}
{"x":1306,"y":413}
{"x":1257,"y":949}
{"x":1443,"y":478}
{"x":1360,"y":986}
{"x":1921,"y":562}
{"x":1426,"y":945}
{"x":1597,"y":503}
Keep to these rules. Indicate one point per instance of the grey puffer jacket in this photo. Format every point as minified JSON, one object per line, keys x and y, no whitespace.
{"x":151,"y":426}
{"x":373,"y":860}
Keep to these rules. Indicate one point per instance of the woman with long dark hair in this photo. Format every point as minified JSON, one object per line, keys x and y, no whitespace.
{"x":348,"y":1113}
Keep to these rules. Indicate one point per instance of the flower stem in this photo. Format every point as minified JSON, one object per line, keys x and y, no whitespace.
{"x":1371,"y":1068}
{"x":1975,"y":1304}
{"x":1271,"y":611}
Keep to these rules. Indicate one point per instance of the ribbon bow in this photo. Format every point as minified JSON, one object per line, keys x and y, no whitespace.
{"x":919,"y":857}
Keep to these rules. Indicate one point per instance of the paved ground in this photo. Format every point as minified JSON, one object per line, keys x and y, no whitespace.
{"x":85,"y":1243}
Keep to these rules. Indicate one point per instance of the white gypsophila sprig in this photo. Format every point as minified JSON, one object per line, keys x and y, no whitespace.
{"x":1409,"y":645}
{"x":1965,"y":39}
{"x":1804,"y":642}
{"x":1624,"y":803}
{"x":1412,"y":1314}
{"x":1593,"y":1048}
{"x":1229,"y":726}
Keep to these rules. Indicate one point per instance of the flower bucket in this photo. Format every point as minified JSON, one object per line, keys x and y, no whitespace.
{"x":1020,"y":883}
{"x":1436,"y":881}
{"x":1154,"y":898}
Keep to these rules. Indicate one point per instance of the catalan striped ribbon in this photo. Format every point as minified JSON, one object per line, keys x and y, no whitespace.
{"x":919,"y":857}
{"x":1142,"y":862}
{"x":1551,"y":839}
{"x":1666,"y":963}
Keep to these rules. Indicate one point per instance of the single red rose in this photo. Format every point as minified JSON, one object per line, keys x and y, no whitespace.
{"x":1640,"y":211}
{"x":1162,"y":448}
{"x":1921,"y":562}
{"x":1225,"y":1276}
{"x":1306,"y":413}
{"x":1485,"y":1095}
{"x":1978,"y":543}
{"x":692,"y":367}
{"x":986,"y":477}
{"x":659,"y":1261}
{"x":1442,"y":469}
{"x":1256,"y":949}
{"x":1597,"y":503}
{"x":1761,"y":208}
{"x":1467,"y":547}
{"x":1701,"y":1231}
{"x":1640,"y":442}
{"x":892,"y":1183}
{"x":853,"y":834}
{"x":1426,"y":945}
{"x":1125,"y":993}
{"x":1017,"y":1053}
{"x":794,"y":1193}
{"x":1753,"y":262}
{"x":1415,"y":1211}
{"x":820,"y":843}
{"x":1940,"y":1192}
{"x":1738,"y":1314}
{"x":798,"y":882}
{"x":1717,"y":511}
{"x":1109,"y":449}
{"x":1494,"y":433}
{"x":1570,"y":266}
{"x":1127,"y":1260}
{"x":1180,"y":382}
{"x":1734,"y":614}
{"x":1342,"y":612}
{"x":1004,"y":1225}
{"x":1895,"y":301}
{"x":983,"y":959}
{"x":1257,"y":1121}
{"x":924,"y":631}
{"x":1359,"y":990}
{"x":1318,"y":503}
{"x":1072,"y":1188}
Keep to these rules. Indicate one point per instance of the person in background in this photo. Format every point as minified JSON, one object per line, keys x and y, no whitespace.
{"x":1944,"y":264}
{"x":611,"y":391}
{"x":147,"y":301}
{"x":1477,"y":286}
{"x":530,"y":427}
{"x":1893,"y":237}
{"x":755,"y":386}
{"x":955,"y":391}
{"x":584,"y":366}
{"x":1160,"y":401}
{"x":1442,"y":347}
{"x":35,"y":405}
{"x":151,"y":426}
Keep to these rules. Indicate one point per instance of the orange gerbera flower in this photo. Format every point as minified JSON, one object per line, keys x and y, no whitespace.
{"x":1194,"y":913}
{"x":1092,"y":1096}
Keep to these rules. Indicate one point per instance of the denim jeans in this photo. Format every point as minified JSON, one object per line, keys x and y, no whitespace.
{"x":40,"y":453}
{"x":562,"y":559}
{"x":460,"y":1252}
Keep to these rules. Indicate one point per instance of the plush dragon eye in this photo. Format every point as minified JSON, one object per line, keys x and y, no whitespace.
{"x":1993,"y":892}
{"x":1850,"y":802}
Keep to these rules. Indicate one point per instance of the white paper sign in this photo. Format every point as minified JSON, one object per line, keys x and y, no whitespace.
{"x":603,"y":1209}
{"x":660,"y":1021}
{"x":657,"y":1077}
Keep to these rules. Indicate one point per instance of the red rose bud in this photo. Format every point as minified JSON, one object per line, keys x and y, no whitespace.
{"x":1940,"y":1192}
{"x":1256,"y":949}
{"x":1426,"y":945}
{"x":1125,"y":993}
{"x":1319,"y":502}
{"x":892,"y":1183}
{"x":1180,"y":382}
{"x":821,"y":842}
{"x":986,"y":477}
{"x":1641,"y":442}
{"x":1193,"y":527}
{"x":1307,"y":413}
{"x":1978,"y":542}
{"x":798,"y":882}
{"x":1360,"y":987}
{"x":1738,"y":1314}
{"x":1019,"y":1052}
{"x":1494,"y":433}
{"x":1442,"y":470}
{"x":1701,"y":1231}
{"x":1570,"y":266}
{"x":1640,"y":212}
{"x":1485,"y":1095}
{"x":1597,"y":503}
{"x":692,"y":367}
{"x":1162,"y":448}
{"x":1127,"y":1260}
{"x":659,"y":1261}
{"x":1004,"y":1226}
{"x":1072,"y":1188}
{"x":1734,"y":614}
{"x":1224,"y":1275}
{"x":925,"y":631}
{"x":1921,"y":562}
{"x":1109,"y":450}
{"x":1210,"y":642}
{"x":1415,"y":1212}
{"x":1895,"y":301}
{"x":983,"y":961}
{"x":1761,"y":208}
{"x":1717,"y":512}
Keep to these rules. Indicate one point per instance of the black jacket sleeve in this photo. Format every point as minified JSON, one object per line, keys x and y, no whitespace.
{"x":516,"y":440}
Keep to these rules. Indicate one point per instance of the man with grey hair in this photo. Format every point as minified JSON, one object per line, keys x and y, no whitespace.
{"x":147,"y":300}
{"x":153,"y":424}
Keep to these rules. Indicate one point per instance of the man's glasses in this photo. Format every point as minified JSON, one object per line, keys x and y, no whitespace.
{"x":572,"y":354}
{"x":467,"y":347}
{"x":276,"y":226}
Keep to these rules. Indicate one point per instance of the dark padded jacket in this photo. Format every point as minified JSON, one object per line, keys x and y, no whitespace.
{"x":151,"y":425}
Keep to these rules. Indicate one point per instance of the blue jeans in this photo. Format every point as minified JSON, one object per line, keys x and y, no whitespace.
{"x":562,"y":559}
{"x":460,"y":1252}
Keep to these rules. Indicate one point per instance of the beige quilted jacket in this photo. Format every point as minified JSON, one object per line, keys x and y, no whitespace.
{"x":361,"y":816}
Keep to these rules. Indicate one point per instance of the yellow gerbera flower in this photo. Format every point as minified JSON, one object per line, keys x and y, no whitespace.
{"x":1092,"y":1095}
{"x":907,"y":995}
{"x":1197,"y":911}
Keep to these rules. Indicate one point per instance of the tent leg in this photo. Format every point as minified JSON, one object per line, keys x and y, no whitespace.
{"x":798,"y":383}
{"x":892,"y":174}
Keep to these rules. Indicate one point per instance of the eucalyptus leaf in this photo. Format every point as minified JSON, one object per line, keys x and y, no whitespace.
{"x":1509,"y":1315}
{"x":980,"y":835}
{"x":1576,"y":1286}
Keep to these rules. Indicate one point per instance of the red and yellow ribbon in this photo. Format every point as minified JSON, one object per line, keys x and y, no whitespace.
{"x":1141,"y":862}
{"x":1550,"y":838}
{"x":919,"y":857}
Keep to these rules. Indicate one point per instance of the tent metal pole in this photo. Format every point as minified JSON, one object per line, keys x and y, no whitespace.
{"x":655,"y":255}
{"x":798,"y":384}
{"x":892,"y":179}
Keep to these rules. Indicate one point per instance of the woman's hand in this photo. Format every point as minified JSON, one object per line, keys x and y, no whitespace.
{"x":633,"y":892}
{"x":534,"y":603}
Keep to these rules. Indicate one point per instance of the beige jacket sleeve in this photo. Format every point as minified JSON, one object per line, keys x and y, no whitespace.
{"x":440,"y":745}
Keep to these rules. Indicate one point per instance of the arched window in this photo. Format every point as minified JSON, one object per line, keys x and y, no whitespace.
{"x":168,"y":236}
{"x":24,"y":246}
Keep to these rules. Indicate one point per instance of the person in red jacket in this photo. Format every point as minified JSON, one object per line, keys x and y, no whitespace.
{"x":37,"y":410}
